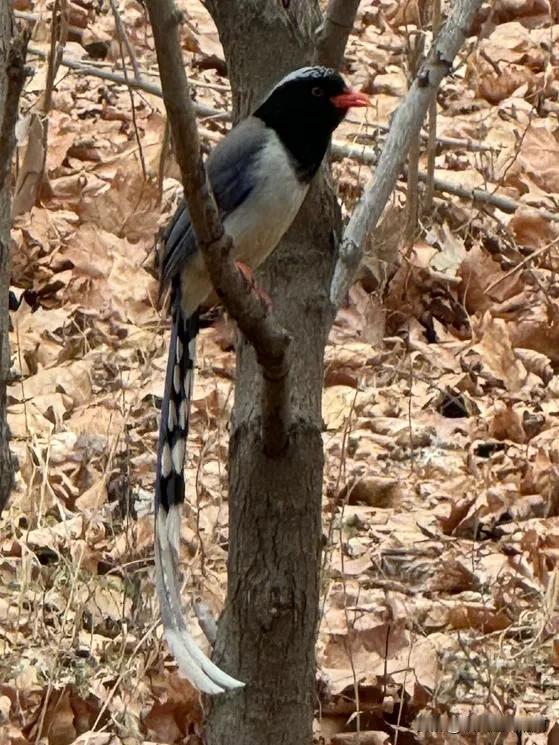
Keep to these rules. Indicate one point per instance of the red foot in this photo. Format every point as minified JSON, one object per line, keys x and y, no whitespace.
{"x":248,"y":274}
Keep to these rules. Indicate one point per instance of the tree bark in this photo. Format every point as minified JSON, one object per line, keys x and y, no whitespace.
{"x":6,"y":469}
{"x":263,"y":40}
{"x":334,"y":32}
{"x":268,"y":630}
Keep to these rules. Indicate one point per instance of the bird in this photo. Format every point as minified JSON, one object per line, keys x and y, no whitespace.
{"x":260,"y":173}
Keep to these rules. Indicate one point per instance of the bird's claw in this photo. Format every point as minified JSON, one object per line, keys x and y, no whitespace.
{"x":248,"y":275}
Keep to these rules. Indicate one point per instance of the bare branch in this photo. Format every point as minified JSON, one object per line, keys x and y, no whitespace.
{"x":416,"y":48}
{"x":406,"y":123}
{"x":134,"y":83}
{"x":58,"y":39}
{"x":369,"y":156}
{"x":450,"y":143}
{"x":16,"y":74}
{"x":33,"y":175}
{"x":432,"y":126}
{"x":124,"y":41}
{"x":333,"y":33}
{"x":124,"y":38}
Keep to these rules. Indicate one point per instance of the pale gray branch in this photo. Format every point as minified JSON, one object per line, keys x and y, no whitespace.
{"x":208,"y":112}
{"x":370,"y":157}
{"x":432,"y":126}
{"x":451,"y":143}
{"x":405,"y":125}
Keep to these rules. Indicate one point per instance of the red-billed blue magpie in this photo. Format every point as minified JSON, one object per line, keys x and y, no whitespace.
{"x":260,"y":174}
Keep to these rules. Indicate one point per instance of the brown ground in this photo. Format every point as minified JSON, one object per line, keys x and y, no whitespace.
{"x":441,"y":499}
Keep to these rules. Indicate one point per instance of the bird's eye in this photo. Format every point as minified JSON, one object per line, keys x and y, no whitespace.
{"x":317,"y":91}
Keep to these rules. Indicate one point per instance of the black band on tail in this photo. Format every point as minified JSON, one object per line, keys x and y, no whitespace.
{"x":169,"y":496}
{"x":175,"y":410}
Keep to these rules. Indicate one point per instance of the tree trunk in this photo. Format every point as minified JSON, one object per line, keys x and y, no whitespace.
{"x":6,"y":470}
{"x":268,"y":630}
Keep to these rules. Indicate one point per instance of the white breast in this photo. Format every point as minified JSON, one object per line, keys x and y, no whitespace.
{"x":258,"y":225}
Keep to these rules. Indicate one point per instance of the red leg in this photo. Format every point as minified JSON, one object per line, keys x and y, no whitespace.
{"x":248,"y":274}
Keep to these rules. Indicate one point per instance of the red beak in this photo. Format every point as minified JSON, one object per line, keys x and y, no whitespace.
{"x":350,"y":98}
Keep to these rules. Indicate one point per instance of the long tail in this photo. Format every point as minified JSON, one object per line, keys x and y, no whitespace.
{"x":169,"y":496}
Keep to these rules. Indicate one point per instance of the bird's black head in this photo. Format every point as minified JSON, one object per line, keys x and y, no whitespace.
{"x":304,"y":108}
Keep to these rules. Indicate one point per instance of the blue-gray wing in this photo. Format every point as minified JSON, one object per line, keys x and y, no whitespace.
{"x":233,"y":173}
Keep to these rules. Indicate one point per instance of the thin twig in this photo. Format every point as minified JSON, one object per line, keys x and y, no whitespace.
{"x":406,"y":123}
{"x":269,"y":340}
{"x":58,"y":33}
{"x":141,"y":85}
{"x":522,"y":264}
{"x":416,"y":53}
{"x":481,"y":196}
{"x":412,"y":198}
{"x":457,"y":143}
{"x":75,"y":31}
{"x":28,"y":17}
{"x":123,"y":39}
{"x":350,"y":628}
{"x":208,"y":112}
{"x":333,"y":33}
{"x":432,"y":126}
{"x":454,"y":143}
{"x":58,"y":38}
